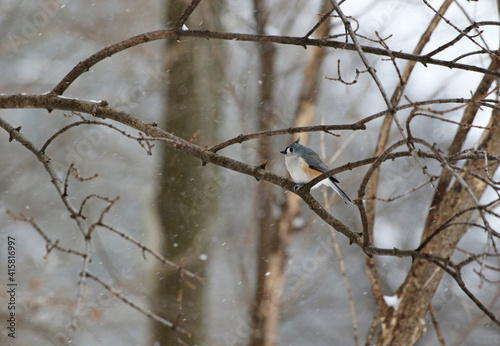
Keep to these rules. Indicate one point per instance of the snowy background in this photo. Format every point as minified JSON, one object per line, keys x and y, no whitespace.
{"x":43,"y":39}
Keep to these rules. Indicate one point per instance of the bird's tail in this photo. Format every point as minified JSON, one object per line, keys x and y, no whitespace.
{"x":338,"y":190}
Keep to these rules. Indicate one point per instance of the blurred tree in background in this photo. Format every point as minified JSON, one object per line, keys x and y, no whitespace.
{"x":186,"y":209}
{"x":149,"y":204}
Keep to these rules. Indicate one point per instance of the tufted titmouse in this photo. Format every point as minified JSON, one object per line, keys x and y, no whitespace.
{"x":304,"y":165}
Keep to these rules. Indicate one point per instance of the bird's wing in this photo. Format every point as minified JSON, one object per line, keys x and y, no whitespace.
{"x":320,"y":166}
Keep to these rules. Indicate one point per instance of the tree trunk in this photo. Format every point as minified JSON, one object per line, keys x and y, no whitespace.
{"x":265,"y":308}
{"x":187,"y":192}
{"x":406,"y":325}
{"x":274,"y":240}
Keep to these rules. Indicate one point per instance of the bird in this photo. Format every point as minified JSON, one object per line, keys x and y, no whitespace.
{"x":304,"y":164}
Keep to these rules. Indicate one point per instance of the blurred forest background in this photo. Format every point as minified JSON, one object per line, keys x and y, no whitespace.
{"x":275,"y":272}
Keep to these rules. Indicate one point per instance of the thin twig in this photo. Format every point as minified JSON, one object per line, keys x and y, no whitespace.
{"x":461,"y":180}
{"x":133,"y":305}
{"x":146,"y":146}
{"x":291,"y":130}
{"x":462,"y":34}
{"x":49,"y":243}
{"x":391,"y":56}
{"x":46,"y":162}
{"x":447,"y":21}
{"x":185,"y":15}
{"x":437,"y":328}
{"x":345,"y":279}
{"x":340,"y":79}
{"x":404,"y":194}
{"x":156,"y":255}
{"x":81,"y":283}
{"x":315,"y":27}
{"x":93,"y":195}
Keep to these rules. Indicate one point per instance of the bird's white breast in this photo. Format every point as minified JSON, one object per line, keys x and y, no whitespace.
{"x":295,"y":165}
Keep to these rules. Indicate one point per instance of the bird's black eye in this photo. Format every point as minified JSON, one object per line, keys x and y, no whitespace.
{"x":291,"y":150}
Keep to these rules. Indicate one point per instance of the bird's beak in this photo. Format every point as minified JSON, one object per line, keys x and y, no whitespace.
{"x":283,"y":151}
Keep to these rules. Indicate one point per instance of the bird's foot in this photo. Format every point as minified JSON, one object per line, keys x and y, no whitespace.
{"x":297,"y":187}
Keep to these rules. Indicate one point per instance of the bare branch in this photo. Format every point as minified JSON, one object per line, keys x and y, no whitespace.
{"x":291,"y":130}
{"x":86,"y":64}
{"x":159,"y":257}
{"x":185,"y":15}
{"x":74,"y":172}
{"x":386,"y":47}
{"x":133,"y":305}
{"x":462,"y":33}
{"x":404,"y":194}
{"x":316,"y":26}
{"x":436,"y":326}
{"x":146,"y":146}
{"x":49,"y":244}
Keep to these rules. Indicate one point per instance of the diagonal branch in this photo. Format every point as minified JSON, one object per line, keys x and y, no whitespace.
{"x":185,"y":15}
